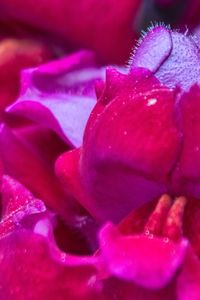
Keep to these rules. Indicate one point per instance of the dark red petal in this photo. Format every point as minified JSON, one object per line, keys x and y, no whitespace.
{"x":22,"y":162}
{"x":186,"y":177}
{"x":105,"y":26}
{"x":130,"y":148}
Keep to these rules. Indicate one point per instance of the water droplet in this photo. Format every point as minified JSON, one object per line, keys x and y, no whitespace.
{"x":151,"y":101}
{"x":166,"y":240}
{"x":150,"y":236}
{"x":92,"y":281}
{"x":63,"y":257}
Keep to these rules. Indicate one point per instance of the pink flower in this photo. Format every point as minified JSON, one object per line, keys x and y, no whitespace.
{"x":151,"y":257}
{"x":60,"y":95}
{"x":141,"y":144}
{"x":142,"y":138}
{"x":146,"y":257}
{"x":105,"y":26}
{"x":32,"y":265}
{"x":47,"y":119}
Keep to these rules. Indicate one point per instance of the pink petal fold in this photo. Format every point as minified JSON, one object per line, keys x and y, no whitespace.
{"x":60,"y":95}
{"x":148,"y":261}
{"x":32,"y":266}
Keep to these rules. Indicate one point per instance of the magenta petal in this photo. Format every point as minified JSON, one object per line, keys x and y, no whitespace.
{"x":117,"y":289}
{"x":23,"y":163}
{"x":148,"y":261}
{"x":188,"y":282}
{"x":130,"y":147}
{"x":32,"y":267}
{"x":186,"y":178}
{"x":15,"y":197}
{"x":60,"y":95}
{"x":17,"y":203}
{"x":43,"y":141}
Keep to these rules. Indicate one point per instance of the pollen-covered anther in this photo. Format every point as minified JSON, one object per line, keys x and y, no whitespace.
{"x":173,"y":224}
{"x":166,"y":218}
{"x":156,"y":220}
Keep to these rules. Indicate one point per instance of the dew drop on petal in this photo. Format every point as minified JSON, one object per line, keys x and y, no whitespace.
{"x":151,"y":102}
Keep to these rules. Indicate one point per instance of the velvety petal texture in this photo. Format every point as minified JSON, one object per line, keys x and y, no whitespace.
{"x":173,"y":57}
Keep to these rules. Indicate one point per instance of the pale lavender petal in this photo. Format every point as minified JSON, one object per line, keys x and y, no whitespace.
{"x":60,"y":95}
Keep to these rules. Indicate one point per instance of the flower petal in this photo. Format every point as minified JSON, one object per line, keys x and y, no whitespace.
{"x":177,"y":57}
{"x":17,"y":203}
{"x":23,"y":163}
{"x":105,"y":27}
{"x":188,"y":281}
{"x":186,"y":178}
{"x":160,"y":42}
{"x":16,"y":55}
{"x":29,"y":258}
{"x":146,"y":260}
{"x":60,"y":95}
{"x":130,"y":147}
